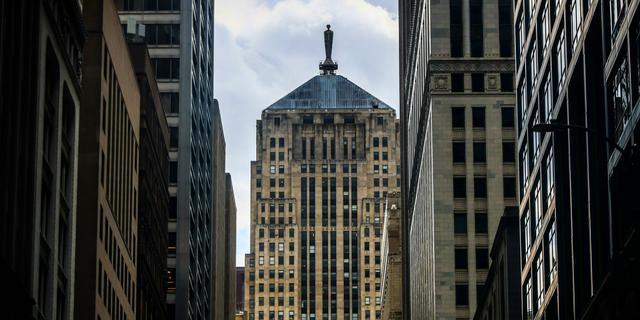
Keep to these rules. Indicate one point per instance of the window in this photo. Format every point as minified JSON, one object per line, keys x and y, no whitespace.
{"x":480,"y":187}
{"x":170,"y":102}
{"x":166,"y":68}
{"x":276,"y":122}
{"x":476,"y":33}
{"x":539,"y":271}
{"x":479,"y":152}
{"x":528,"y":297}
{"x":506,"y":81}
{"x":455,"y":27}
{"x":536,"y":136}
{"x":545,"y":25}
{"x":481,"y":226}
{"x":459,"y":187}
{"x":621,"y":99}
{"x":380,"y":121}
{"x":457,"y":82}
{"x":462,"y":294}
{"x":477,"y":82}
{"x":522,"y":103}
{"x":307,"y":119}
{"x":509,"y":187}
{"x":508,"y":152}
{"x":461,"y":261}
{"x":550,"y":177}
{"x":524,"y":156}
{"x":505,"y":13}
{"x":457,"y":117}
{"x":553,"y":252}
{"x":561,"y":60}
{"x":508,"y":117}
{"x":458,"y":149}
{"x":349,"y":119}
{"x":522,"y":36}
{"x":478,"y":117}
{"x":153,"y":5}
{"x":460,"y":222}
{"x":162,"y":34}
{"x":576,"y":22}
{"x":173,"y":137}
{"x":616,"y":12}
{"x":533,"y":64}
{"x":526,"y":230}
{"x":173,"y":172}
{"x":538,"y":209}
{"x":548,"y":99}
{"x":482,"y":258}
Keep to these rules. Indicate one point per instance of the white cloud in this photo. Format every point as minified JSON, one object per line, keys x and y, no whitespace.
{"x":266,"y":48}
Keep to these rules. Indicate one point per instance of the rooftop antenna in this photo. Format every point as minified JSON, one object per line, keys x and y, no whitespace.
{"x":328,"y":66}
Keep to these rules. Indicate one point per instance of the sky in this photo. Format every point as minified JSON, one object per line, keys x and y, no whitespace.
{"x":266,"y":48}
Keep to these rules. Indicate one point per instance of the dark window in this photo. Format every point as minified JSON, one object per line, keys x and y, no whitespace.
{"x":506,"y":28}
{"x":459,"y":187}
{"x":508,"y":152}
{"x":170,"y":102}
{"x":328,"y":119}
{"x":173,"y":207}
{"x":173,"y":171}
{"x":173,"y":137}
{"x":162,"y":34}
{"x":380,"y":121}
{"x":479,"y":152}
{"x":478,"y":117}
{"x":281,"y":142}
{"x":482,"y":258}
{"x":509,"y":186}
{"x":476,"y":33}
{"x":349,"y":119}
{"x":460,"y":222}
{"x":455,"y":27}
{"x":462,"y":294}
{"x":477,"y":82}
{"x":458,"y":152}
{"x":457,"y":117}
{"x":272,"y":142}
{"x":461,"y":261}
{"x":457,"y":82}
{"x":480,"y":187}
{"x":506,"y":82}
{"x":307,"y":119}
{"x":508,"y":117}
{"x":481,"y":222}
{"x":166,"y":68}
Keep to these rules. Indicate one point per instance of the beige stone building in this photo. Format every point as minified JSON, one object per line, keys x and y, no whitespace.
{"x":326,"y":160}
{"x":391,"y":293}
{"x":458,"y":155}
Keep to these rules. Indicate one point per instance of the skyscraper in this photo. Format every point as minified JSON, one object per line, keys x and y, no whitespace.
{"x":153,"y":204}
{"x":108,"y":172}
{"x":458,"y":150}
{"x":40,"y":73}
{"x":180,"y":39}
{"x":326,"y":160}
{"x":578,"y":114}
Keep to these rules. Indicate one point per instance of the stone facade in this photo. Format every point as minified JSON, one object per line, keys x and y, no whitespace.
{"x":392,"y":260}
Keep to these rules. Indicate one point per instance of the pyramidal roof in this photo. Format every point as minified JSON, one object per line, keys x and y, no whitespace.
{"x":329,"y":91}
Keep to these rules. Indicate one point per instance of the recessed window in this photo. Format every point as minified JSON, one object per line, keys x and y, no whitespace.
{"x":457,"y":82}
{"x":462,"y":294}
{"x":508,"y":152}
{"x":477,"y":82}
{"x":508,"y":117}
{"x":478,"y":117}
{"x":307,"y":119}
{"x":460,"y":222}
{"x":481,"y":224}
{"x":459,"y":187}
{"x":455,"y":28}
{"x":476,"y":27}
{"x":458,"y":152}
{"x":509,"y":186}
{"x":480,"y":187}
{"x":349,"y":119}
{"x":457,"y":117}
{"x":482,"y":258}
{"x":479,"y":152}
{"x":173,"y":171}
{"x":506,"y":82}
{"x":461,"y":258}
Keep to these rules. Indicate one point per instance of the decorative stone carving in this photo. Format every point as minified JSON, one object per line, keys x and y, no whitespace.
{"x":492,"y":82}
{"x":440,"y":82}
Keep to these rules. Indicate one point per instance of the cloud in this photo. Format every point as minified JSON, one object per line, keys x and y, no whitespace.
{"x":266,"y":48}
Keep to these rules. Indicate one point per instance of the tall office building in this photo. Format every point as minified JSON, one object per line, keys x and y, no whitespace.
{"x":40,"y":74}
{"x":326,"y":160}
{"x":108,"y":172}
{"x":577,"y":65}
{"x":391,"y":292}
{"x":153,"y":206}
{"x":230,"y":251}
{"x":458,"y":147}
{"x":180,"y":39}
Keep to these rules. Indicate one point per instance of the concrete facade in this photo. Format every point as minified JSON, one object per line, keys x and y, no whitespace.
{"x":180,"y":39}
{"x":391,"y":291}
{"x":40,"y":75}
{"x":108,"y":171}
{"x":326,"y":160}
{"x":457,"y":106}
{"x":153,"y":206}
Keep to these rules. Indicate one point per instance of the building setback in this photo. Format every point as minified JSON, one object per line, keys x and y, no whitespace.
{"x":500,"y":299}
{"x":179,"y":35}
{"x":108,"y":171}
{"x":325,"y":163}
{"x":458,"y":149}
{"x":391,"y":292}
{"x":40,"y":74}
{"x":153,"y":206}
{"x":577,"y":65}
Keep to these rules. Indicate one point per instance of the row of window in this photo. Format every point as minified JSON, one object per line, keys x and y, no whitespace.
{"x":480,"y":187}
{"x":480,"y":153}
{"x":478,"y":82}
{"x":461,"y":258}
{"x":150,"y":5}
{"x":478,"y":118}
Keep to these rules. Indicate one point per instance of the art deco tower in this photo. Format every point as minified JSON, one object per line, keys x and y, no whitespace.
{"x":326,"y":159}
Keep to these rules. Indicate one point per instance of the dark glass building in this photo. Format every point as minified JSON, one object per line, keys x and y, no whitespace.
{"x":577,"y":74}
